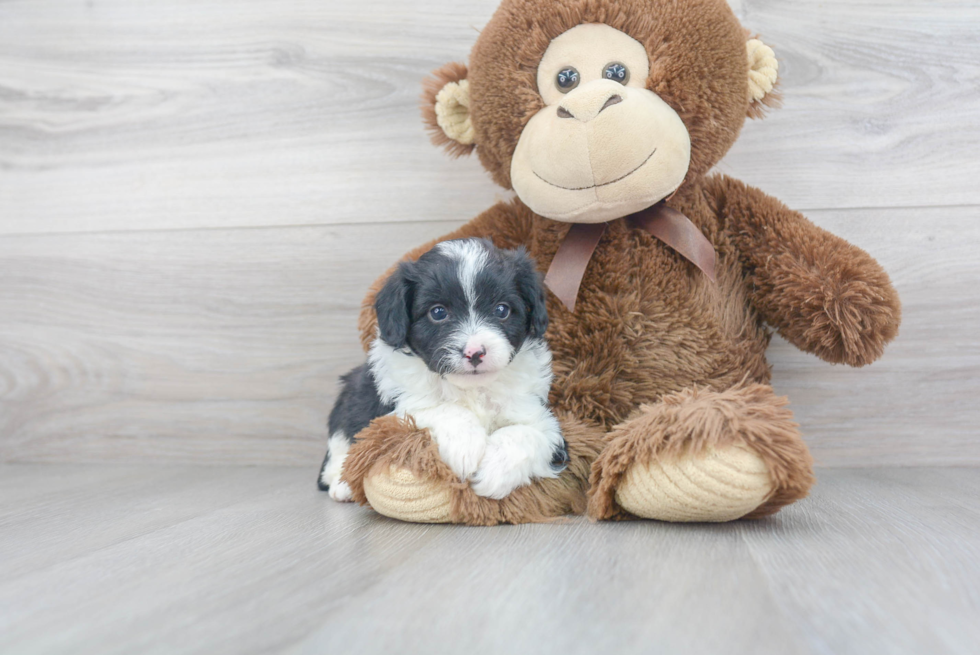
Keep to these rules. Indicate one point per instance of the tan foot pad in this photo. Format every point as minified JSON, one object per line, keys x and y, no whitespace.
{"x":398,"y":494}
{"x":718,"y":485}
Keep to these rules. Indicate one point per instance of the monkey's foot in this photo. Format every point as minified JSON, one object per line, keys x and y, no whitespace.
{"x":397,"y":493}
{"x":717,"y":485}
{"x":702,"y":455}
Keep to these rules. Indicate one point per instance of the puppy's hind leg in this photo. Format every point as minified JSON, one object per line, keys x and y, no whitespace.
{"x":356,"y":406}
{"x":333,"y":463}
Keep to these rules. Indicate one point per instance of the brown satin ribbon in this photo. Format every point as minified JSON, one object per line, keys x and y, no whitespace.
{"x":568,"y":267}
{"x":667,"y":224}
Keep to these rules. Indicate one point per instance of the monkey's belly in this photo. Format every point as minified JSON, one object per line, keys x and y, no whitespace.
{"x":648,"y":323}
{"x":605,"y":376}
{"x":605,"y":370}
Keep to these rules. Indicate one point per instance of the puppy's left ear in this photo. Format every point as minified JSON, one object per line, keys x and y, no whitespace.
{"x":530,"y":284}
{"x":393,"y":305}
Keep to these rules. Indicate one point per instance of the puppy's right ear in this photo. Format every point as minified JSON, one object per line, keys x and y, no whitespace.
{"x":393,"y":305}
{"x":530,"y":284}
{"x":446,"y":109}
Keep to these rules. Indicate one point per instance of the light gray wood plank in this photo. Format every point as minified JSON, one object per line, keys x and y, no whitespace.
{"x":63,"y":478}
{"x":224,"y":346}
{"x":881,"y":100}
{"x":219,"y":114}
{"x":211,"y":346}
{"x":207,"y":576}
{"x":881,"y":561}
{"x":124,"y":502}
{"x":570,"y":588}
{"x":875,"y":561}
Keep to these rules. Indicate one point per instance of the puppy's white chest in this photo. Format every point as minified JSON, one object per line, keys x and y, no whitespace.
{"x":484,"y":406}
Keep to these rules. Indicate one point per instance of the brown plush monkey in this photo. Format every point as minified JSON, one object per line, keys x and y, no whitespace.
{"x":605,"y":116}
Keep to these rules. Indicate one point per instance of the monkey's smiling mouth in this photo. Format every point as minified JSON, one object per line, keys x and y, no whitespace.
{"x":596,"y":186}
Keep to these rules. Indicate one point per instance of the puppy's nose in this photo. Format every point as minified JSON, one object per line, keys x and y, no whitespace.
{"x":475,"y":354}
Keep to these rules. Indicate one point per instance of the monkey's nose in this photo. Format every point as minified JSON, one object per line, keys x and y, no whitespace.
{"x":587,"y":104}
{"x":613,"y":100}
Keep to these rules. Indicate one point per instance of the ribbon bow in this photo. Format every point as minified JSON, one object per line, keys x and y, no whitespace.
{"x":567,"y":269}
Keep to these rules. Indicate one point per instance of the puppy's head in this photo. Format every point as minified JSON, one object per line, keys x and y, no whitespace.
{"x":465,"y":307}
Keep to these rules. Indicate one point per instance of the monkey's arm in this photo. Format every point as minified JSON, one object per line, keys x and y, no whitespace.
{"x":821,"y":293}
{"x":501,"y":224}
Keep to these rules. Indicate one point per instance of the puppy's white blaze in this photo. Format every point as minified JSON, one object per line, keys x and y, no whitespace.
{"x":471,"y":258}
{"x":338,"y":446}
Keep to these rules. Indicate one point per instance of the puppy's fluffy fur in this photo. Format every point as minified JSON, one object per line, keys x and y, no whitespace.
{"x":460,"y":349}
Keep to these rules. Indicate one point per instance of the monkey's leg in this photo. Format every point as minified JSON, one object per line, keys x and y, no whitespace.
{"x":395,"y":467}
{"x":701,"y":455}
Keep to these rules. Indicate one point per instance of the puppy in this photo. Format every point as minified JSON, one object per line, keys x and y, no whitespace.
{"x":460,"y":349}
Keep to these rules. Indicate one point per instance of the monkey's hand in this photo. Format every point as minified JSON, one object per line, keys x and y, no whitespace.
{"x":821,"y":293}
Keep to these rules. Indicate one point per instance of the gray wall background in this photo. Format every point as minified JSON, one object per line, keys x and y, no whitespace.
{"x":195,"y":195}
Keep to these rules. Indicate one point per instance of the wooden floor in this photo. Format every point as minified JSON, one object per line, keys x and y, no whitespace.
{"x":140,"y":559}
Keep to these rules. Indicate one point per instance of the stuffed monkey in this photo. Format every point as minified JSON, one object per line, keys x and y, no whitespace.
{"x":605,"y":118}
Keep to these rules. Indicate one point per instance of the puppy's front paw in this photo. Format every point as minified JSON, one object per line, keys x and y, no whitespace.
{"x":515,"y":455}
{"x":501,"y":471}
{"x":462,"y":449}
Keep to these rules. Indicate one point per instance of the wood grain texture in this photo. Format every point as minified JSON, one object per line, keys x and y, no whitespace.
{"x":223,"y":346}
{"x":880,"y":104}
{"x":218,"y":346}
{"x":129,"y":333}
{"x":254,"y":560}
{"x":900,"y":531}
{"x":219,"y":114}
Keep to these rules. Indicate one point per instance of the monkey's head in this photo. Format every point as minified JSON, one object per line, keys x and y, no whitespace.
{"x":591,"y":110}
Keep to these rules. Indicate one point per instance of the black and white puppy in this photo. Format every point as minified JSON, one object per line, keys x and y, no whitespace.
{"x":460,"y":348}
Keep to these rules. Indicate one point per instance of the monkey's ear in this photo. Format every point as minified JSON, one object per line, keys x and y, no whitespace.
{"x":763,"y":71}
{"x":446,"y":109}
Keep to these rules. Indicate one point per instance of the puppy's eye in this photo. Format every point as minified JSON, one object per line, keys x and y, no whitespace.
{"x":567,"y":79}
{"x":438,"y":313}
{"x":616,"y":72}
{"x":502,"y":311}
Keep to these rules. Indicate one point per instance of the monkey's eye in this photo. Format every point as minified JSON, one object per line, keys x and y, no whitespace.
{"x":501,"y":311}
{"x":567,"y":79}
{"x":438,"y":313}
{"x":616,"y":72}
